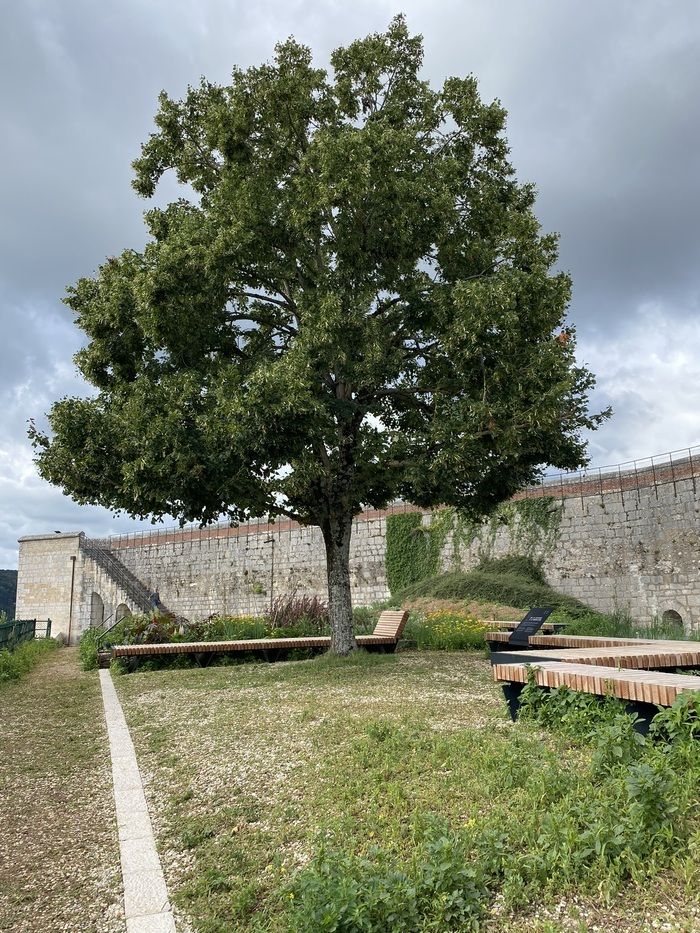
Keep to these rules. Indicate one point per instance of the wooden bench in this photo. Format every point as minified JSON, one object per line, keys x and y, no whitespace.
{"x":503,"y":627}
{"x":385,"y":637}
{"x":643,"y":690}
{"x":499,"y":640}
{"x":638,"y":656}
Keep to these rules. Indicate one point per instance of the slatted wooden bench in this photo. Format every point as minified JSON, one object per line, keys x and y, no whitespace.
{"x":504,"y":626}
{"x":644,"y":656}
{"x":600,"y":641}
{"x":644,"y":691}
{"x":499,"y":641}
{"x":385,"y":637}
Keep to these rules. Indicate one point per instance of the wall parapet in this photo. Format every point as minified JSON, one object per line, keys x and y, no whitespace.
{"x":631,"y":476}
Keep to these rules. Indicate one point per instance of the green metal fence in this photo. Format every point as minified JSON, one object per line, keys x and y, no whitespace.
{"x":19,"y":630}
{"x":43,"y":628}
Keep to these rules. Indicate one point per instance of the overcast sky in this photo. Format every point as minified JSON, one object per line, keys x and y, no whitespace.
{"x":603,"y":101}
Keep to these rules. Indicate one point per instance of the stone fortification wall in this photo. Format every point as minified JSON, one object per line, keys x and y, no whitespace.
{"x":57,"y":581}
{"x":242,"y":570}
{"x":634,"y":550}
{"x":624,"y":541}
{"x":46,"y":578}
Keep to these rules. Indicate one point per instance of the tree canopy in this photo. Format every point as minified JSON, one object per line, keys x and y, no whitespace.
{"x":351,"y":302}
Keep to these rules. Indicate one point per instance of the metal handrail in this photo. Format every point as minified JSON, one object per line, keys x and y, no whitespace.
{"x":121,"y":575}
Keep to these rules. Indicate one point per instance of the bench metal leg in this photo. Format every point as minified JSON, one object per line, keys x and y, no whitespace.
{"x":271,"y":654}
{"x":512,"y":691}
{"x":644,"y":712}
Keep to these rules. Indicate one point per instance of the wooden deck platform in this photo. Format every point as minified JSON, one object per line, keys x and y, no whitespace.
{"x":643,"y":656}
{"x":651,"y":687}
{"x":552,"y":640}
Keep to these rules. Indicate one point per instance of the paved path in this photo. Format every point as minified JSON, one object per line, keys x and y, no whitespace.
{"x":146,"y":904}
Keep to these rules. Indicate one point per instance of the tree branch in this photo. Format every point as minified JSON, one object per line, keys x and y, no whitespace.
{"x":380,"y":309}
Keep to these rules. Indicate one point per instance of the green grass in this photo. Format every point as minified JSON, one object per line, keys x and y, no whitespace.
{"x":392,"y":793}
{"x":17,"y":663}
{"x":59,"y":855}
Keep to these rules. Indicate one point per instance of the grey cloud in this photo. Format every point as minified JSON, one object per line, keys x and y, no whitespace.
{"x":603,"y":117}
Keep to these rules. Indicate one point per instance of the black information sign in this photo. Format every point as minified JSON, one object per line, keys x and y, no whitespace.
{"x":530,"y":625}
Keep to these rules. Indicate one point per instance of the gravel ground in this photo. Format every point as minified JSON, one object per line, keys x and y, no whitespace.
{"x":237,"y":762}
{"x":59,"y":854}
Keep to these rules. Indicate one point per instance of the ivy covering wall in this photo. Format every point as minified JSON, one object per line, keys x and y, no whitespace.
{"x":414,"y":549}
{"x":411,"y":554}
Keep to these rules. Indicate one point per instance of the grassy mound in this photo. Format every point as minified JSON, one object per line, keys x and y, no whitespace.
{"x":512,"y":581}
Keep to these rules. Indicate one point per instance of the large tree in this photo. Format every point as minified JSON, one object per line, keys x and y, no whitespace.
{"x":351,"y":302}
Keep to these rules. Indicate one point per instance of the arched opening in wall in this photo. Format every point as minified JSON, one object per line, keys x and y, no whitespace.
{"x":673,"y":620}
{"x":97,"y":611}
{"x":123,"y":612}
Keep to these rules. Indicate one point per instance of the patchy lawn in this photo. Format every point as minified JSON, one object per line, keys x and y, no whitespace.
{"x":59,"y":856}
{"x":251,"y":767}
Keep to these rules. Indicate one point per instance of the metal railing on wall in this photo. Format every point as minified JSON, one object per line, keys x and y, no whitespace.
{"x":114,"y":568}
{"x":631,"y":476}
{"x":667,"y":469}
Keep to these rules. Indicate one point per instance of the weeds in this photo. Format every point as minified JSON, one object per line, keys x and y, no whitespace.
{"x":297,"y":612}
{"x":87,"y":649}
{"x":15,"y":664}
{"x":448,"y":630}
{"x":622,"y":817}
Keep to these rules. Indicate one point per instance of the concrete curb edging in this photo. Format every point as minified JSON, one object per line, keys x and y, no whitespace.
{"x":146,"y":904}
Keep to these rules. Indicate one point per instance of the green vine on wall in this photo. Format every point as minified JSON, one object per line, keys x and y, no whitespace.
{"x":533,"y":526}
{"x":411,"y":552}
{"x":414,"y":549}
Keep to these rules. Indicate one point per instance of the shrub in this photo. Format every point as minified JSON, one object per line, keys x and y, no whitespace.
{"x":680,"y":721}
{"x":234,"y":627}
{"x":448,"y":630}
{"x":152,"y":628}
{"x":117,"y":667}
{"x":87,"y":649}
{"x":15,"y":664}
{"x":578,"y":715}
{"x":442,"y":888}
{"x":307,"y":612}
{"x":514,"y":564}
{"x":365,"y":619}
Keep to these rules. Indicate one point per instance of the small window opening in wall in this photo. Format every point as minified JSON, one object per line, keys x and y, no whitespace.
{"x":673,"y":619}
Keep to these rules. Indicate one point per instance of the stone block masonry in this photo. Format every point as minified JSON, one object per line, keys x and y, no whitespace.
{"x":626,"y":541}
{"x":242,"y":570}
{"x":57,"y":581}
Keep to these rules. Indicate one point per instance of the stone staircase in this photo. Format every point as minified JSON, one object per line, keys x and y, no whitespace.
{"x":108,"y":561}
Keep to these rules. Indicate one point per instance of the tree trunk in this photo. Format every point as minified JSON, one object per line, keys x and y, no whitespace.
{"x":336,"y":535}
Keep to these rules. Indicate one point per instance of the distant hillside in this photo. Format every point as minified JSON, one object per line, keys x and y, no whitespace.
{"x":8,"y":592}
